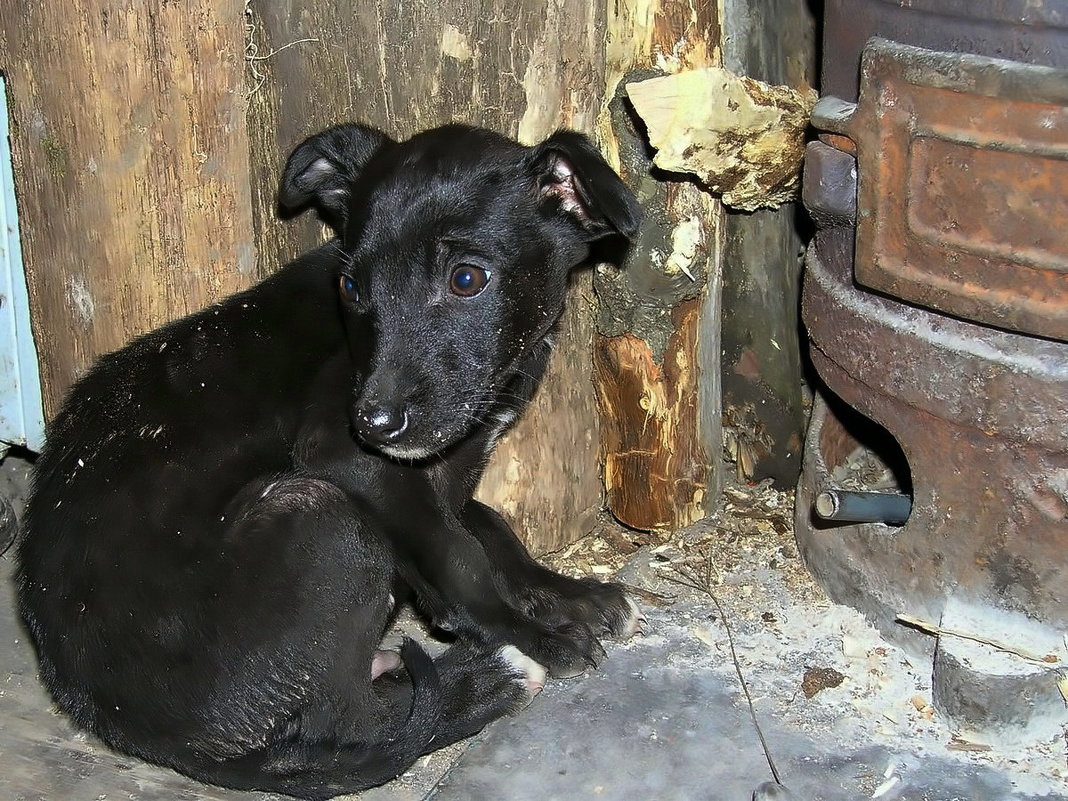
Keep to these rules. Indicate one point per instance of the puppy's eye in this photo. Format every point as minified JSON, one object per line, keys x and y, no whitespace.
{"x":347,"y":287}
{"x":468,"y":280}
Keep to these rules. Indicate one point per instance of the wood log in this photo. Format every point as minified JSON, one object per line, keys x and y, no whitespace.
{"x":521,"y":68}
{"x":131,"y":164}
{"x":657,"y":346}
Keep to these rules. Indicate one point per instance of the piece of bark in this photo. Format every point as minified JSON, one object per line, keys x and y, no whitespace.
{"x":743,"y":138}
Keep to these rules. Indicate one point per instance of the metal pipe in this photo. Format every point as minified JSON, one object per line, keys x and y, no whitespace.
{"x":847,"y":506}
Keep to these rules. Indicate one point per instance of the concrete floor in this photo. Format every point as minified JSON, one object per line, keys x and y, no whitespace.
{"x":662,"y":719}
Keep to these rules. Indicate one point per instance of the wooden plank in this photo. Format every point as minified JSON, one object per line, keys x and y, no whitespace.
{"x":764,"y":405}
{"x":521,"y":68}
{"x":657,"y":344}
{"x":131,"y":163}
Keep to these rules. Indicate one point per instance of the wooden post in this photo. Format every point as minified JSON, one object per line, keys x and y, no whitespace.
{"x":131,"y":165}
{"x":522,"y":68}
{"x":773,"y":41}
{"x":657,"y":346}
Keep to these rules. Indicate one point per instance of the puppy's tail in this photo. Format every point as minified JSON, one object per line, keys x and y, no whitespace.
{"x":416,"y":736}
{"x":322,"y":770}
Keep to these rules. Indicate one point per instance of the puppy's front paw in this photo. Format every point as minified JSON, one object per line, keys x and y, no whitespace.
{"x":620,"y":616}
{"x":604,"y":607}
{"x":566,"y":650}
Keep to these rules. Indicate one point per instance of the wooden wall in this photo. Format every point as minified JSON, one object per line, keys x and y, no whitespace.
{"x":148,"y":147}
{"x":131,"y":165}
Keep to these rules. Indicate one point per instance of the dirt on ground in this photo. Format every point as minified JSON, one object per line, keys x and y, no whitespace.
{"x":804,"y":659}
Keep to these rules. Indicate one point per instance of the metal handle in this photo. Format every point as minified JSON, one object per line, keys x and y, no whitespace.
{"x":891,"y":508}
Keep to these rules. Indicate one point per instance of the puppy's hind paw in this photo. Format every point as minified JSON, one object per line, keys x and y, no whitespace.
{"x":533,"y":674}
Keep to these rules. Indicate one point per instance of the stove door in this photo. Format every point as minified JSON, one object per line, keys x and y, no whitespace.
{"x":962,"y":201}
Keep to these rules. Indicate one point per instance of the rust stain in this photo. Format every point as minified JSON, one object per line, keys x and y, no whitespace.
{"x":839,"y":142}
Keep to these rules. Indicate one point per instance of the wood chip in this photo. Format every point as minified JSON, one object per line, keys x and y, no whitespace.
{"x":957,"y":744}
{"x":817,"y":679}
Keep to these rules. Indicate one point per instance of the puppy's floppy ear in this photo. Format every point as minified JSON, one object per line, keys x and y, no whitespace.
{"x":572,"y":172}
{"x":321,"y":170}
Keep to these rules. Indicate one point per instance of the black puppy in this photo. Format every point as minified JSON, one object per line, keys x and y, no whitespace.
{"x":227,"y":507}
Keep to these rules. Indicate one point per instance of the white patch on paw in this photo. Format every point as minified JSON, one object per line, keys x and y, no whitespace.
{"x":534,"y":673}
{"x":635,"y":624}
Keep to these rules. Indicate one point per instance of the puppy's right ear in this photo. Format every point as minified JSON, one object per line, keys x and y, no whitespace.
{"x":321,"y":170}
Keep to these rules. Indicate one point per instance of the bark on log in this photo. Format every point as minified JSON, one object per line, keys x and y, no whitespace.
{"x":131,"y":165}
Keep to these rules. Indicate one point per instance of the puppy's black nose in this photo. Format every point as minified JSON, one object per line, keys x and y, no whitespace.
{"x":380,"y":423}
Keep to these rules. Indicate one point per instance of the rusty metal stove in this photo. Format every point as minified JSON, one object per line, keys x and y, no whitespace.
{"x":936,"y":302}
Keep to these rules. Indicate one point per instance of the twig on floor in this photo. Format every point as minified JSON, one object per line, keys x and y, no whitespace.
{"x":654,"y":598}
{"x":704,"y":585}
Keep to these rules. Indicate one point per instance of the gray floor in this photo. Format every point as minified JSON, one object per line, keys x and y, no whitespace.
{"x":662,"y":719}
{"x":641,"y":730}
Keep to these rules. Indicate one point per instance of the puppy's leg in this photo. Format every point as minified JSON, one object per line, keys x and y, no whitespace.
{"x":303,"y":602}
{"x":544,"y":594}
{"x":299,"y":619}
{"x":453,"y":577}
